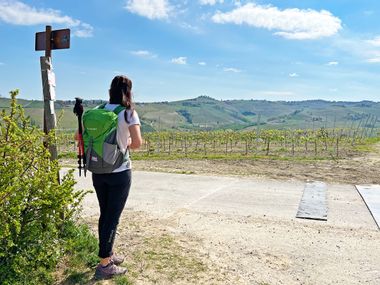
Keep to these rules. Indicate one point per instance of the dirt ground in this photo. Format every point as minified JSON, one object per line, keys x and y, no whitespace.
{"x":196,"y":247}
{"x":356,"y":170}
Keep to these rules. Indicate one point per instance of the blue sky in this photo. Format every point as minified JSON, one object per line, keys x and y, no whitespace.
{"x":178,"y":49}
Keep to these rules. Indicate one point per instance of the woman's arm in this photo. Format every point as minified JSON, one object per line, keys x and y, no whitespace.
{"x":135,"y":134}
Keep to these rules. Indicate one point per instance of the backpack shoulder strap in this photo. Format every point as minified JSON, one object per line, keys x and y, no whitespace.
{"x":119,"y":109}
{"x":101,"y":106}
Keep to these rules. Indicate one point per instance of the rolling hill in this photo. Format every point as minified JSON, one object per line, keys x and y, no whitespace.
{"x":206,"y":113}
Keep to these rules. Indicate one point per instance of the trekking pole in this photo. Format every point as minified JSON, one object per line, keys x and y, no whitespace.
{"x":78,"y":110}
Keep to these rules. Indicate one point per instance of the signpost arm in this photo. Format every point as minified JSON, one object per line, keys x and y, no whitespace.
{"x":48,"y":41}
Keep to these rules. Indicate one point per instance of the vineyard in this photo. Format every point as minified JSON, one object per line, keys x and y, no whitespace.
{"x":317,"y":144}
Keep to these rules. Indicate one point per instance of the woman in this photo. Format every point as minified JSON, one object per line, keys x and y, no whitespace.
{"x":112,"y":189}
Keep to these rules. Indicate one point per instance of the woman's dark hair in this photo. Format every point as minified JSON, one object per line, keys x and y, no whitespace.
{"x":121,"y":93}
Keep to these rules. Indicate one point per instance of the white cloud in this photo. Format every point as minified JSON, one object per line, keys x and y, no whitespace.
{"x":202,"y":63}
{"x":373,"y":55}
{"x":231,"y":69}
{"x":85,"y":31}
{"x":372,"y":51}
{"x":143,"y":53}
{"x":179,"y":60}
{"x":237,"y":3}
{"x":374,"y":60}
{"x":18,"y":13}
{"x":375,"y":42}
{"x":293,"y":74}
{"x":191,"y":28}
{"x":292,"y":23}
{"x":361,"y":49}
{"x":152,"y":9}
{"x":331,"y":63}
{"x":210,"y":2}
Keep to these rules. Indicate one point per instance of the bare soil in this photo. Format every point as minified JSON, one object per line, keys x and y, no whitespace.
{"x":356,"y":170}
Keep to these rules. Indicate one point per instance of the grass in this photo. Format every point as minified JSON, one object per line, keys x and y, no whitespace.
{"x":368,"y":145}
{"x":80,"y":255}
{"x":123,"y":280}
{"x":227,"y":157}
{"x":155,"y":256}
{"x":233,"y":156}
{"x":162,"y":259}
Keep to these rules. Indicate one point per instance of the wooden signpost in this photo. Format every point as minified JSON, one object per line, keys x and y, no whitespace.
{"x":47,"y":41}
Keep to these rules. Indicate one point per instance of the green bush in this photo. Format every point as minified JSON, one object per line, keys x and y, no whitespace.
{"x":35,"y":206}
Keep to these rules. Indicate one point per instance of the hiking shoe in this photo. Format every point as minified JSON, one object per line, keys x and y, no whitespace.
{"x":117,"y":260}
{"x":109,"y":271}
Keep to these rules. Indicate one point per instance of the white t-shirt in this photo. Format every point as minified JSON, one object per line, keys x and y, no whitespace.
{"x":122,"y":133}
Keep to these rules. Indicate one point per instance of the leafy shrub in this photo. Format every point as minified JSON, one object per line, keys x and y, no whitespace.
{"x":35,"y":206}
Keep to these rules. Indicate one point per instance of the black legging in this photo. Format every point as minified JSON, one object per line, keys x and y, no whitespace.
{"x":112,"y":190}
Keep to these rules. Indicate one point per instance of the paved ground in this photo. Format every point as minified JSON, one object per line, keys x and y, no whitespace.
{"x":247,"y":226}
{"x":163,"y":195}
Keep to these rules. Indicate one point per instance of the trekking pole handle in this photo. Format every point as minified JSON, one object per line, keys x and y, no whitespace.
{"x":78,"y":110}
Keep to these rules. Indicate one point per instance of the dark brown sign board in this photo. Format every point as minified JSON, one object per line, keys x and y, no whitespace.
{"x":60,"y":39}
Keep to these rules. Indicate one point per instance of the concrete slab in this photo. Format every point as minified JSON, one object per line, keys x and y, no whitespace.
{"x":346,"y":208}
{"x":257,"y":197}
{"x":371,"y":196}
{"x":313,"y":204}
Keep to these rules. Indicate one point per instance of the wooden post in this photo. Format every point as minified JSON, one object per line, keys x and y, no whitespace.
{"x":48,"y":86}
{"x":48,"y":40}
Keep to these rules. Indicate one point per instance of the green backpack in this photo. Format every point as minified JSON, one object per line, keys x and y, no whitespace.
{"x":99,"y":136}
